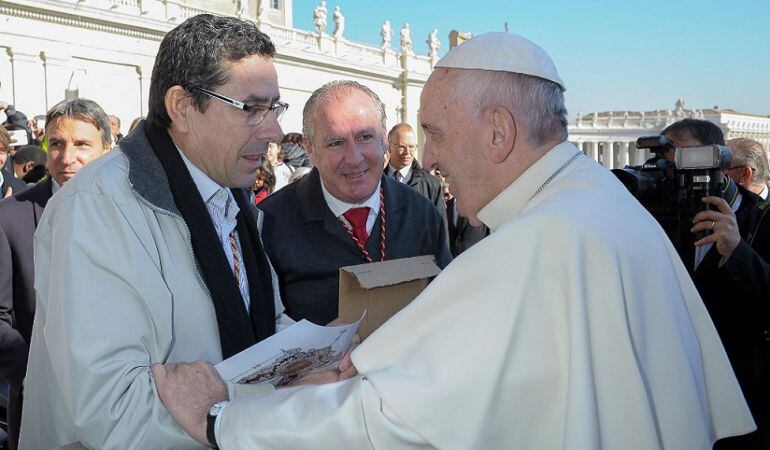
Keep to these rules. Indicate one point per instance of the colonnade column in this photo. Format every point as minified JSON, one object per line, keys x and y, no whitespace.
{"x":624,"y":157}
{"x":641,"y":155}
{"x":593,"y":150}
{"x":608,"y":155}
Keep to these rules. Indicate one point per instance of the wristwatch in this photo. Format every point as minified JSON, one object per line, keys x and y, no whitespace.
{"x":211,"y":420}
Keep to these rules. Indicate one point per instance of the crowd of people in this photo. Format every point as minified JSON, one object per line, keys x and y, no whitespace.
{"x":129,"y":265}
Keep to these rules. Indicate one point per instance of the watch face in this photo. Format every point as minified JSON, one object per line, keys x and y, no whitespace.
{"x":214,"y":411}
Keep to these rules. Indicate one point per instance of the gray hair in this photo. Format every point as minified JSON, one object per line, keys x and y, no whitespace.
{"x":751,"y":153}
{"x":84,"y":110}
{"x":324,"y":93}
{"x":538,"y":102}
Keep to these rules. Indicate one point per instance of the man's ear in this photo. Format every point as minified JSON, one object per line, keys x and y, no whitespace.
{"x":178,"y":107}
{"x":29,"y":165}
{"x":502,"y":133}
{"x":746,"y":174}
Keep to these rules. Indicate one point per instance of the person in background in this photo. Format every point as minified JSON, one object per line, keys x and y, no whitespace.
{"x":9,"y":184}
{"x":265,"y":182}
{"x":135,"y":123}
{"x":730,"y":267}
{"x":29,"y":163}
{"x":281,"y":170}
{"x":294,"y":153}
{"x":78,"y":133}
{"x":749,"y":166}
{"x":115,"y":129}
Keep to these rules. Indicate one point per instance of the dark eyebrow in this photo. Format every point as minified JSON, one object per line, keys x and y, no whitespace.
{"x":260,"y":100}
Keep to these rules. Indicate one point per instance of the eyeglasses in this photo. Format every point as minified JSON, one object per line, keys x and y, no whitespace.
{"x":255,"y":113}
{"x":740,"y":167}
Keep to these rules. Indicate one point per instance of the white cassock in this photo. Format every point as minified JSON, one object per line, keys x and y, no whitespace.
{"x":574,"y":325}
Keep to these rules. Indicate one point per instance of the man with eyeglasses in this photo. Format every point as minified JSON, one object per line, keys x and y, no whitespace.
{"x":749,"y":167}
{"x":404,"y":168}
{"x":732,"y":276}
{"x":154,"y":254}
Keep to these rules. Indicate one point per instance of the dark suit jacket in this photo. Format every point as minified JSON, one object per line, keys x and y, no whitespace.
{"x":462,"y":235}
{"x":739,"y":305}
{"x":19,"y":216}
{"x":427,"y":185}
{"x":308,"y":245}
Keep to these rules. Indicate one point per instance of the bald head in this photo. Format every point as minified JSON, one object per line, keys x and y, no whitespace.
{"x":402,"y":145}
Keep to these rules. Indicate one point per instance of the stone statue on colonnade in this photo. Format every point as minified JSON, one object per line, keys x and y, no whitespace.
{"x":320,"y":14}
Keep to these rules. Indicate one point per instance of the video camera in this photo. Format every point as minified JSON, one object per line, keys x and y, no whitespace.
{"x":672,"y":191}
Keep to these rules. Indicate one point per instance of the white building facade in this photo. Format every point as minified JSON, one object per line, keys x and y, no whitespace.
{"x":104,"y":50}
{"x":609,"y":137}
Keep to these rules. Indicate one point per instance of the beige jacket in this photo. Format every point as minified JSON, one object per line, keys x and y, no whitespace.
{"x":118,"y":289}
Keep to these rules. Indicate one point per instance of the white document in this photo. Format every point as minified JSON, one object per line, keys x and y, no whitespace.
{"x":302,"y":349}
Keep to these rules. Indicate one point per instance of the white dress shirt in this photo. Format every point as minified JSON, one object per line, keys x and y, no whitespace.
{"x":338,"y":207}
{"x":403,"y":174}
{"x":223,"y":210}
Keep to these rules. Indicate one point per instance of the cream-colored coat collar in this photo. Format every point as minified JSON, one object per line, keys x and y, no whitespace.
{"x":509,"y":203}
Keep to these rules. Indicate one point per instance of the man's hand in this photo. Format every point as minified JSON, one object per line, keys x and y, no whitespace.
{"x":347,"y":369}
{"x":188,"y":391}
{"x":327,"y":376}
{"x":723,"y":224}
{"x":8,"y":192}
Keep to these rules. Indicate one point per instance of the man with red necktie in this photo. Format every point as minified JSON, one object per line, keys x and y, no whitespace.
{"x":345,"y":212}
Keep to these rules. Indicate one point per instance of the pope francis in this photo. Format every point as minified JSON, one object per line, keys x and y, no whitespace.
{"x":574,"y":325}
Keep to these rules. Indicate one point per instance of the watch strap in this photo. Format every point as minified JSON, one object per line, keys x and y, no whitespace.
{"x":210,"y":434}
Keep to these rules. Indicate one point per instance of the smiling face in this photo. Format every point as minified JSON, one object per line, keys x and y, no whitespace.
{"x":451,"y":145}
{"x":72,"y":144}
{"x":348,"y":144}
{"x":218,"y":141}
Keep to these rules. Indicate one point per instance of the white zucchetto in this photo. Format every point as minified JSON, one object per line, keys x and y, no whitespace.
{"x":505,"y":52}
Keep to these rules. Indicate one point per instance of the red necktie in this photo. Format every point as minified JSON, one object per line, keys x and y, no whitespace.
{"x":357,"y":219}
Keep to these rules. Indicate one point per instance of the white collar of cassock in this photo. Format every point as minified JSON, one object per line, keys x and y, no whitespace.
{"x":509,"y":203}
{"x":339,"y":207}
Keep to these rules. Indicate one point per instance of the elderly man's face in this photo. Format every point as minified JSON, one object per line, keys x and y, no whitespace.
{"x":451,"y":146}
{"x":348,"y":145}
{"x":72,"y":144}
{"x":220,"y":142}
{"x":114,"y":126}
{"x":401,"y":147}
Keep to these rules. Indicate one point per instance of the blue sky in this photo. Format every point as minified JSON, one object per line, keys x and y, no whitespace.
{"x":612,"y":55}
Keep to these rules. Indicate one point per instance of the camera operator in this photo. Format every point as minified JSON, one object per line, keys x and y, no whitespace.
{"x":731,"y":273}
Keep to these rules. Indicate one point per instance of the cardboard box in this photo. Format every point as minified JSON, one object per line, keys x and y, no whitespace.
{"x":382,"y":289}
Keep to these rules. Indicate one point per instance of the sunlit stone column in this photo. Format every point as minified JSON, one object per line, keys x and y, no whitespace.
{"x":608,"y":155}
{"x":624,"y":157}
{"x":593,"y":150}
{"x":640,"y":156}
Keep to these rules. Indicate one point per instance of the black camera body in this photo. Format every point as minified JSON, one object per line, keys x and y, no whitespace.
{"x":672,"y":190}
